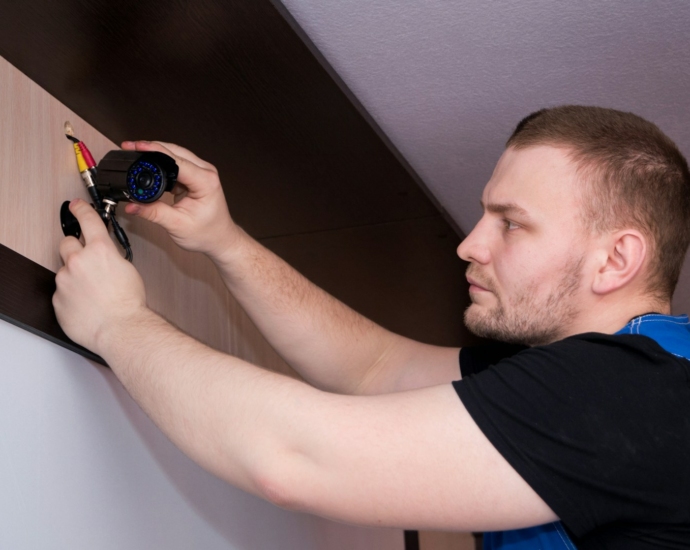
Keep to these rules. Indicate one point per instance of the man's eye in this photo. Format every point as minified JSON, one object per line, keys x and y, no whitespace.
{"x":510,"y":226}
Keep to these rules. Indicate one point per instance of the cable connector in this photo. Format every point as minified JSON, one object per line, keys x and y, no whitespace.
{"x":104,"y":207}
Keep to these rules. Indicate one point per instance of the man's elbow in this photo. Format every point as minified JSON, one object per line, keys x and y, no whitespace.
{"x":279,"y":485}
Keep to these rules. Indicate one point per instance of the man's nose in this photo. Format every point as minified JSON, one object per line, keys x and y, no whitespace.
{"x":474,"y":248}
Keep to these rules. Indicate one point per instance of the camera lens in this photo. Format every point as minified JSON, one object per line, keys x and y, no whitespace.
{"x":144,"y":179}
{"x":147,"y":179}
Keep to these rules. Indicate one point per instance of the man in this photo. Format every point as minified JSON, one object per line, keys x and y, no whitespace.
{"x":585,"y":226}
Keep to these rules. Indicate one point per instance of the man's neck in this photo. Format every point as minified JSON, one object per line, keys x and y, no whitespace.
{"x":609,"y":320}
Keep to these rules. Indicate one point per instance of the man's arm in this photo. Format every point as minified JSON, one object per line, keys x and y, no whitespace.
{"x":413,"y":459}
{"x":332,"y":346}
{"x":329,"y":344}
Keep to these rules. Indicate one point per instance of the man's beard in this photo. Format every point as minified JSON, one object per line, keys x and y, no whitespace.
{"x":529,"y":320}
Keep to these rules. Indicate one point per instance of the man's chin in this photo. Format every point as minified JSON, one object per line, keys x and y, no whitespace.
{"x":476,"y":319}
{"x":481,"y":321}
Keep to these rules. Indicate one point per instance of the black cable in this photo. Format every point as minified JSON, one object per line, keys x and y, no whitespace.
{"x":96,"y":198}
{"x":122,"y":238}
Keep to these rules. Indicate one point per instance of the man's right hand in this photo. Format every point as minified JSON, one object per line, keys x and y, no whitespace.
{"x":199,"y":219}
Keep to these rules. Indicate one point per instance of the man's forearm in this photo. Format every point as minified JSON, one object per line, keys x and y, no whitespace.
{"x":329,"y":344}
{"x":229,"y":416}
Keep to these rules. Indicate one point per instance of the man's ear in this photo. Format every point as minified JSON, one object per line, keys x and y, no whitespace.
{"x":623,"y":256}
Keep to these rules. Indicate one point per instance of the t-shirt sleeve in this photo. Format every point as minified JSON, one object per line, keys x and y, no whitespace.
{"x":597,"y":425}
{"x":475,"y":359}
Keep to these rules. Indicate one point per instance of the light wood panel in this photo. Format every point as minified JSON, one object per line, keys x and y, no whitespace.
{"x":232,"y":80}
{"x":38,"y":172}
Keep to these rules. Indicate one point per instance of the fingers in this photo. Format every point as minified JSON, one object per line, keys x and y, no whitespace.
{"x":197,"y":175}
{"x":69,"y":246}
{"x":188,"y":155}
{"x":158,"y":212}
{"x":92,"y":226}
{"x":176,"y":150}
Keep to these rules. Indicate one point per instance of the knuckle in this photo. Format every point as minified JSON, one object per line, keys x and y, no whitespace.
{"x":211,"y":179}
{"x":75,"y":267}
{"x":72,"y":262}
{"x":153,"y":215}
{"x":59,"y":278}
{"x":66,"y":243}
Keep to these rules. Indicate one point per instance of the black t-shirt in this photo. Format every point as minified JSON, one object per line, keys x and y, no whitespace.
{"x":599,"y":426}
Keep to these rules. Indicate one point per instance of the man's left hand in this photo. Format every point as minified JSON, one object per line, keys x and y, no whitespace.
{"x":96,"y":287}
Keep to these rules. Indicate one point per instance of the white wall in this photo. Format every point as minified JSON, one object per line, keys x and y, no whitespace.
{"x":82,"y":467}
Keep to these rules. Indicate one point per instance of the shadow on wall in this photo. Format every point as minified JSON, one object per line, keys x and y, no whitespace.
{"x":237,"y":516}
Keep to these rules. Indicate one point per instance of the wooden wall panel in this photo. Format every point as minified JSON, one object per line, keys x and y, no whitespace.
{"x":231,"y":80}
{"x":404,"y":275}
{"x":38,"y":172}
{"x":26,"y":290}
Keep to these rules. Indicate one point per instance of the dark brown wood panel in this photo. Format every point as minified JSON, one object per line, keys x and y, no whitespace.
{"x":404,"y":275}
{"x":231,"y":80}
{"x":26,"y":292}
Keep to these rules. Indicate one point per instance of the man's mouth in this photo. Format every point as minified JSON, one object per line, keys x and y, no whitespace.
{"x":475,"y":286}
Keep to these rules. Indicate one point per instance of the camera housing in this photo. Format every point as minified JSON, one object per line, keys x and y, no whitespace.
{"x":136,"y":176}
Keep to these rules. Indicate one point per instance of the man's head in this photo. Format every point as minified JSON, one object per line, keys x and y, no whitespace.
{"x":586,"y":207}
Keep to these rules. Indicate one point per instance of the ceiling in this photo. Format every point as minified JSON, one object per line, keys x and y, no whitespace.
{"x":447,"y":81}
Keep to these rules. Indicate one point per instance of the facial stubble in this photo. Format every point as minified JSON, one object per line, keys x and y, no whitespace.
{"x":527,"y":319}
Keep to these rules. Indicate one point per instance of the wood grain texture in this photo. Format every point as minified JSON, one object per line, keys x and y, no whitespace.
{"x":231,"y":81}
{"x":38,"y":172}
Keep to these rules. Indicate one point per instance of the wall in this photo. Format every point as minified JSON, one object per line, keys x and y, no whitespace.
{"x":80,"y":465}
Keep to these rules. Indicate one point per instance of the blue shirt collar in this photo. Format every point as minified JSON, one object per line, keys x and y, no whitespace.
{"x":671,"y":332}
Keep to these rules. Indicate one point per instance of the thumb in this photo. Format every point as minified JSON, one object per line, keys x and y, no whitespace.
{"x":156,"y":212}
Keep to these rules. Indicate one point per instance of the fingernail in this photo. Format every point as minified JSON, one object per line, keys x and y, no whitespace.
{"x":133,"y":209}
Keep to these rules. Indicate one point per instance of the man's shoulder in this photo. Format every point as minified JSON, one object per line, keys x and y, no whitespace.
{"x":581,"y":355}
{"x":597,"y":342}
{"x":602,"y":352}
